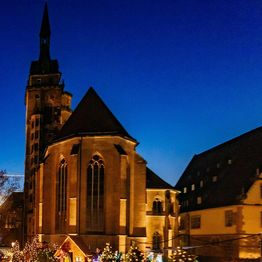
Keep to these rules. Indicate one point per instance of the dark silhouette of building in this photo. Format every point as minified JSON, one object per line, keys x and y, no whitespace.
{"x":11,"y":216}
{"x":47,"y":109}
{"x":221,"y":199}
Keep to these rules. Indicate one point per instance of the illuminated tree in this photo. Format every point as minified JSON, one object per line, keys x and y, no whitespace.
{"x":34,"y":252}
{"x":107,"y":254}
{"x":47,"y":253}
{"x":31,"y":250}
{"x":17,"y":253}
{"x":134,"y":254}
{"x":180,"y":255}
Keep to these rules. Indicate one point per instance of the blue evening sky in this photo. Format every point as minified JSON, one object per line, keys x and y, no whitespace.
{"x":181,"y":75}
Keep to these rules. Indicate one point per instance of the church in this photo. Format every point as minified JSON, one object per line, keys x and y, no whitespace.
{"x":84,"y":179}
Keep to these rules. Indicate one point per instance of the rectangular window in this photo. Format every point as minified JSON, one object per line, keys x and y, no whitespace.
{"x":199,"y":200}
{"x":229,"y":219}
{"x":195,"y":222}
{"x":36,"y":147}
{"x":214,"y":178}
{"x":185,"y":190}
{"x":193,"y":187}
{"x":40,"y":214}
{"x":72,"y":211}
{"x":182,"y":223}
{"x":201,"y":184}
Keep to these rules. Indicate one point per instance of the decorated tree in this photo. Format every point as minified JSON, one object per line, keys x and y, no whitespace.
{"x":134,"y":254}
{"x":30,"y":251}
{"x":17,"y":253}
{"x":34,"y":251}
{"x":47,"y":252}
{"x":180,"y":255}
{"x":107,"y":254}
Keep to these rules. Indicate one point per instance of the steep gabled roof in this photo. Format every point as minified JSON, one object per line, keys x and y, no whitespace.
{"x":226,"y":173}
{"x":153,"y":181}
{"x":92,"y":117}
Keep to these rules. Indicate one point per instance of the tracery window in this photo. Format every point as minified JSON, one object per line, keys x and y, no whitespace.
{"x":157,"y":206}
{"x":156,"y":241}
{"x":95,"y":195}
{"x":61,"y":196}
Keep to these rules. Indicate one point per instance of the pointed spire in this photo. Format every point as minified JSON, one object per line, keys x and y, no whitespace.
{"x":45,"y":27}
{"x":45,"y":33}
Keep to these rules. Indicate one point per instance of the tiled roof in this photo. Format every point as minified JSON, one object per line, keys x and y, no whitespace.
{"x":92,"y":117}
{"x":223,"y":174}
{"x":81,"y":244}
{"x":153,"y":181}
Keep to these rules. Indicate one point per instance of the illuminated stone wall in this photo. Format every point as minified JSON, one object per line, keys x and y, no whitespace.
{"x":124,"y":191}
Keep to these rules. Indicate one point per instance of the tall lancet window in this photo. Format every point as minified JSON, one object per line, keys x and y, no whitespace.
{"x":95,"y":195}
{"x":61,"y":197}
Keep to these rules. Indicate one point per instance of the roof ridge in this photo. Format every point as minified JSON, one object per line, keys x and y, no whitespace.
{"x":92,"y":117}
{"x":150,"y":172}
{"x":232,"y":140}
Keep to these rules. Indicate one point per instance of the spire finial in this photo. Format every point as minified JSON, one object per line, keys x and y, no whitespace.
{"x":45,"y":27}
{"x":45,"y":33}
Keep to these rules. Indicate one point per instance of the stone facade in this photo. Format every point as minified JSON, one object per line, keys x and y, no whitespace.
{"x":84,"y":177}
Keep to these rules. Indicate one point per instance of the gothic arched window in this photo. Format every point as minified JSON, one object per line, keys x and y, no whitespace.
{"x":61,"y":196}
{"x":157,"y":206}
{"x":156,"y":241}
{"x":95,"y":195}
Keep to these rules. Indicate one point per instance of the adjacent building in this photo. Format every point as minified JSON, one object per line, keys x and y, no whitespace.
{"x":221,"y":200}
{"x":83,"y":176}
{"x":11,"y":216}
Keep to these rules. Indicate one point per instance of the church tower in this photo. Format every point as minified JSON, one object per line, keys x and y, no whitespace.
{"x":48,"y":106}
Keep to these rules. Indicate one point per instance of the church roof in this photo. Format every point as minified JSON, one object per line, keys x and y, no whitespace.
{"x":153,"y":181}
{"x":92,"y":117}
{"x":223,"y":174}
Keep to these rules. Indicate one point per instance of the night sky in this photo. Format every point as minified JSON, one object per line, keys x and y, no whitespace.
{"x":181,"y":76}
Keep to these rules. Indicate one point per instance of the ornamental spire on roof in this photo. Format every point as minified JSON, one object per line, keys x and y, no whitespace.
{"x":45,"y":33}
